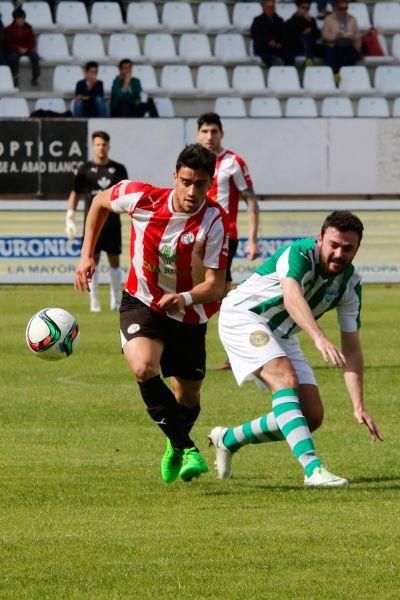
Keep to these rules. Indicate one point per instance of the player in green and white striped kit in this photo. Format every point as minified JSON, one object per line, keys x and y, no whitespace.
{"x":257,"y":323}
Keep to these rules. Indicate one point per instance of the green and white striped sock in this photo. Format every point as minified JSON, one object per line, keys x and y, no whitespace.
{"x":263,"y":429}
{"x":293,"y":425}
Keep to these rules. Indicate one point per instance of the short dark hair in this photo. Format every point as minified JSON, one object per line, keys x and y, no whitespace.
{"x":198,"y":158}
{"x":343,"y":220}
{"x":210,"y":118}
{"x":92,"y":64}
{"x":18,"y":13}
{"x":124,"y":61}
{"x":101,"y":134}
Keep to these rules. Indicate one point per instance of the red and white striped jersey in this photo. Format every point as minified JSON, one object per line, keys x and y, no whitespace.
{"x":231,"y":177}
{"x":166,"y":245}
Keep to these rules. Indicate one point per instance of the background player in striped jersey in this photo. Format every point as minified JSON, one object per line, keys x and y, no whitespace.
{"x":178,"y":261}
{"x":231,"y":182}
{"x":289,"y":292}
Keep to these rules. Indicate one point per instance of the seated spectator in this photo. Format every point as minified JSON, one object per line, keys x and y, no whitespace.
{"x":126,"y":94}
{"x":302,"y":34}
{"x":341,"y":38}
{"x":20,"y":41}
{"x":267,"y":33}
{"x":89,"y":94}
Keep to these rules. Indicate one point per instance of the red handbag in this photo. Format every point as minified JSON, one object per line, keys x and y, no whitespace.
{"x":370,"y":45}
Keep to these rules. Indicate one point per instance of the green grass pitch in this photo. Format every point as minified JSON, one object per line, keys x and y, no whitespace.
{"x":83,"y":510}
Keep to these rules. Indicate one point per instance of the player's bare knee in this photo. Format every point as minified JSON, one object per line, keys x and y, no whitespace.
{"x":144,"y":371}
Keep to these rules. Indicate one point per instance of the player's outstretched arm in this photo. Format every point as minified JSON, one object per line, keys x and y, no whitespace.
{"x":209,"y":290}
{"x":354,"y":379}
{"x":253,"y":218}
{"x":95,"y":220}
{"x":298,"y":309}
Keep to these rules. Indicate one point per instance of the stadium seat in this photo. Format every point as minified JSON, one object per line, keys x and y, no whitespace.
{"x":177,"y":80}
{"x":212,"y":80}
{"x":165,"y":107}
{"x":6,"y":81}
{"x":6,"y":10}
{"x":387,"y":80}
{"x":385,"y":59}
{"x":160,"y":48}
{"x":359,"y":10}
{"x":124,"y":45}
{"x":142,"y":16}
{"x":178,"y":16}
{"x":230,"y":107}
{"x":213,"y":16}
{"x":396,"y":108}
{"x":147,"y":76}
{"x":337,"y":107}
{"x":285,"y":9}
{"x":107,"y":74}
{"x":355,"y":81}
{"x":249,"y":80}
{"x":38,"y":15}
{"x":373,"y":107}
{"x":71,"y":16}
{"x":319,"y":81}
{"x":386,"y":16}
{"x":13,"y":107}
{"x":284,"y":81}
{"x":107,"y":16}
{"x":65,"y":78}
{"x":301,"y":108}
{"x":244,"y":14}
{"x":265,"y":107}
{"x":52,"y":47}
{"x":396,"y":47}
{"x":195,"y":48}
{"x":54,"y":104}
{"x":230,"y":48}
{"x":88,"y":46}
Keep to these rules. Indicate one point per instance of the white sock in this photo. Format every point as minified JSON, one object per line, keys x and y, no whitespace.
{"x":115,"y":286}
{"x":94,"y":287}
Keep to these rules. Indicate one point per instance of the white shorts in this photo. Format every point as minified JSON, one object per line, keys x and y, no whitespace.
{"x":250,"y":344}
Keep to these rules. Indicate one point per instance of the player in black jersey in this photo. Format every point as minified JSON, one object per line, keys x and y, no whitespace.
{"x":93,"y":177}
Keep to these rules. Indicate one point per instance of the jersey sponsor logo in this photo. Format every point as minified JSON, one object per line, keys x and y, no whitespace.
{"x":93,"y":169}
{"x":111,"y":170}
{"x":187,"y":238}
{"x":39,"y":247}
{"x":133,"y":328}
{"x":259,"y":338}
{"x":104,"y":183}
{"x":330,"y":295}
{"x":165,"y":253}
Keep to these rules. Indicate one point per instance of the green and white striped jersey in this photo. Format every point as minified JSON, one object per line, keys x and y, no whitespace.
{"x":261,"y":293}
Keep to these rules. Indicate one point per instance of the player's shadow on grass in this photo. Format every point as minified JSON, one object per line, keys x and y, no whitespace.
{"x":367,"y":480}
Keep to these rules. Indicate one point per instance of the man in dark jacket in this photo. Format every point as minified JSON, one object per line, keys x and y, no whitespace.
{"x":20,"y":41}
{"x":89,"y":94}
{"x":126,"y":94}
{"x":268,"y":35}
{"x":302,"y":34}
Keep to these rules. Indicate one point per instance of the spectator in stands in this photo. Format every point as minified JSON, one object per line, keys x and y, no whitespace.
{"x":89,"y":94}
{"x":341,"y":37}
{"x":20,"y":41}
{"x":302,"y":34}
{"x":268,"y":34}
{"x":126,"y":94}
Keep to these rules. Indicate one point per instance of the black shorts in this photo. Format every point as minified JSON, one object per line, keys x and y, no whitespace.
{"x":184,"y":353}
{"x":110,"y":239}
{"x":232,"y":247}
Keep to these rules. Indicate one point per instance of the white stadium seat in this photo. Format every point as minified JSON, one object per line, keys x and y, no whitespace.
{"x":249,"y":80}
{"x":387,"y":80}
{"x":244,"y":14}
{"x":319,"y":81}
{"x":54,"y":104}
{"x":359,"y":10}
{"x":107,"y":74}
{"x":147,"y":76}
{"x":396,"y":108}
{"x":355,"y":81}
{"x":178,"y":16}
{"x":284,"y":80}
{"x":213,"y":16}
{"x":195,"y":48}
{"x":285,"y":9}
{"x":265,"y":107}
{"x":386,"y":16}
{"x":88,"y":46}
{"x":6,"y":81}
{"x":373,"y":108}
{"x":142,"y":16}
{"x":177,"y":80}
{"x":164,"y":107}
{"x":38,"y":15}
{"x":65,"y":78}
{"x":396,"y":47}
{"x":230,"y":107}
{"x":301,"y":108}
{"x":6,"y":10}
{"x":337,"y":107}
{"x":124,"y":45}
{"x":52,"y":47}
{"x":230,"y":48}
{"x":212,"y":80}
{"x":71,"y":16}
{"x":160,"y":48}
{"x":14,"y":107}
{"x":107,"y":16}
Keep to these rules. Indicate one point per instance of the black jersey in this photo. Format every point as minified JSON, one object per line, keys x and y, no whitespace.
{"x":91,"y":179}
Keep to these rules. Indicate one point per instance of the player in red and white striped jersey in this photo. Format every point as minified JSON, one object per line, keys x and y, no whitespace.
{"x":177,"y":275}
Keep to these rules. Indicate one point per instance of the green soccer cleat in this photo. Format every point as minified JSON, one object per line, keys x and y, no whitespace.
{"x":193,"y":464}
{"x":171,"y":463}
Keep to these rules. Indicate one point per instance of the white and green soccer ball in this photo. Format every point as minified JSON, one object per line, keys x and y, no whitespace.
{"x":52,"y":334}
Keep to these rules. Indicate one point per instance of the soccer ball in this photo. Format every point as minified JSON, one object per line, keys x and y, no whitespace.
{"x":52,"y":334}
